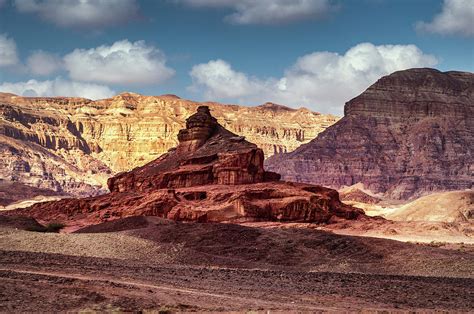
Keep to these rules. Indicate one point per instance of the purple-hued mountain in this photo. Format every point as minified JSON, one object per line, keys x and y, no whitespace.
{"x":410,"y":133}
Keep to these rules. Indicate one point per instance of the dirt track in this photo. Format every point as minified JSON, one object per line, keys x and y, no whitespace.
{"x":163,"y":265}
{"x":52,"y":282}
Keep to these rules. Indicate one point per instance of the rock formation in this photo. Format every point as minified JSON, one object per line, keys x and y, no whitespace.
{"x":410,"y":133}
{"x":350,"y":195}
{"x":12,"y":192}
{"x":447,"y":207}
{"x":74,"y":145}
{"x":212,"y":175}
{"x":207,"y":154}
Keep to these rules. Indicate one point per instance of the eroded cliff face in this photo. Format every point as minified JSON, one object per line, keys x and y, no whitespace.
{"x":73,"y":145}
{"x":213,"y":175}
{"x":131,"y":130}
{"x":206,"y":154}
{"x":409,"y":134}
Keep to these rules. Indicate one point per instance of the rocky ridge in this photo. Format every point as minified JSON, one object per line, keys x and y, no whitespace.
{"x":12,"y":192}
{"x":212,"y":175}
{"x":74,"y":145}
{"x":409,"y":134}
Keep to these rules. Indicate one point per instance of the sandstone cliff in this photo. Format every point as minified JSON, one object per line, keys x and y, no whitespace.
{"x":212,"y":175}
{"x":73,"y":145}
{"x":409,"y":134}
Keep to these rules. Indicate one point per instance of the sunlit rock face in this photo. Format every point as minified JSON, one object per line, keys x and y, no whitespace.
{"x":409,"y":134}
{"x":206,"y":154}
{"x":74,"y":145}
{"x":213,"y":175}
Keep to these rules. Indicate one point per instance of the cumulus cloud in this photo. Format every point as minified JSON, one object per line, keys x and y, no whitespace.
{"x":221,"y":81}
{"x":456,"y":17}
{"x":43,"y":63}
{"x":121,"y":63}
{"x":322,"y":81}
{"x":267,"y":11}
{"x":89,"y":14}
{"x":8,"y":51}
{"x":57,"y":87}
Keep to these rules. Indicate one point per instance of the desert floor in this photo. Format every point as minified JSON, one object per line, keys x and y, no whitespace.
{"x":152,"y":264}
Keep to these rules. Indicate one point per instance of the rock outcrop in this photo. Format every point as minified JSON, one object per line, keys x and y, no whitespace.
{"x":446,"y":207}
{"x":212,"y":175}
{"x":74,"y":145}
{"x":409,"y":134}
{"x":359,"y":196}
{"x":207,"y":154}
{"x":12,"y":192}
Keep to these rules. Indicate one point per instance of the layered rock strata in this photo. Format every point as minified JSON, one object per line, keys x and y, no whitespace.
{"x":409,"y":134}
{"x":207,"y":154}
{"x":73,"y":145}
{"x":212,"y":175}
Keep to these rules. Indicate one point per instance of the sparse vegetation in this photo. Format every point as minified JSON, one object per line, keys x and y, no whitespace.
{"x":36,"y":228}
{"x":54,"y":226}
{"x":165,"y":310}
{"x":51,"y":227}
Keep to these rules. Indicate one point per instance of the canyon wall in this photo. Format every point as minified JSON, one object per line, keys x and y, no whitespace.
{"x":409,"y":134}
{"x":212,"y":175}
{"x":74,"y":145}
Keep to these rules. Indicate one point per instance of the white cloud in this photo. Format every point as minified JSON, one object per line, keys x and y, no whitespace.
{"x":221,"y":81}
{"x":43,"y":63}
{"x":2,"y":3}
{"x":121,"y":63}
{"x":209,"y":3}
{"x":8,"y":51}
{"x":267,"y":11}
{"x":322,"y":81}
{"x":81,"y":13}
{"x":456,"y":17}
{"x":57,"y":87}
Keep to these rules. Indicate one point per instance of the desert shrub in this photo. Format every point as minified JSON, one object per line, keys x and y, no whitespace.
{"x":36,"y":228}
{"x":54,"y":226}
{"x":165,"y":310}
{"x":51,"y":227}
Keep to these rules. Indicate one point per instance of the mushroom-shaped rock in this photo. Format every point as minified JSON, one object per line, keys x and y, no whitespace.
{"x":212,"y":175}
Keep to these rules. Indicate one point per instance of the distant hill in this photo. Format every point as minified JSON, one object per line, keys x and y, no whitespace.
{"x":409,"y":134}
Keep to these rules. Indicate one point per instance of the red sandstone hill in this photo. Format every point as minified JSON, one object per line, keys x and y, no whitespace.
{"x":409,"y":134}
{"x":212,"y":175}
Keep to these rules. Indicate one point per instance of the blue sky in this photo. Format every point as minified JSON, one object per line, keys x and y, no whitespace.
{"x":312,"y":53}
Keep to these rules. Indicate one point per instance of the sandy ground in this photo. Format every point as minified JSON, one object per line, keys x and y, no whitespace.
{"x":409,"y":231}
{"x":445,"y":217}
{"x":98,"y":284}
{"x":154,"y":264}
{"x":30,"y":202}
{"x":453,"y":206}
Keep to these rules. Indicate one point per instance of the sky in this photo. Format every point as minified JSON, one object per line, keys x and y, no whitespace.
{"x":316,"y":54}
